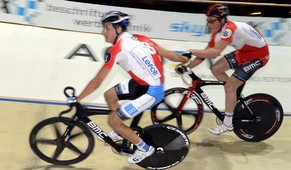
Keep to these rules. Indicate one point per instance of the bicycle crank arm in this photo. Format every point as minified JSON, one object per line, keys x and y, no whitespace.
{"x":257,"y":119}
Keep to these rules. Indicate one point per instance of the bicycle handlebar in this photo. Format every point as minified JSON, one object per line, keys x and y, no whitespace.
{"x":183,"y":70}
{"x":66,"y":91}
{"x":69,"y":94}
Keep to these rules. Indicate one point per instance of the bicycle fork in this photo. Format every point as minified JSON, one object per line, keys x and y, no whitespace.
{"x":181,"y":107}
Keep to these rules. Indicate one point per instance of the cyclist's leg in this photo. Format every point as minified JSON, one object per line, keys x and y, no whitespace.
{"x":116,"y":123}
{"x":231,"y":86}
{"x":111,"y":98}
{"x":219,"y":71}
{"x":126,"y":111}
{"x":122,"y":91}
{"x":243,"y":71}
{"x":141,"y":98}
{"x":241,"y":74}
{"x":239,"y":77}
{"x":133,"y":108}
{"x":219,"y":68}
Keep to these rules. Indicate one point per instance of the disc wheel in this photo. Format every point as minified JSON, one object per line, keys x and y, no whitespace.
{"x":171,"y":144}
{"x":264,"y":121}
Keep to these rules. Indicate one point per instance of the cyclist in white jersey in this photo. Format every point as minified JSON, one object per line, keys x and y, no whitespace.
{"x":141,"y":58}
{"x":251,"y":53}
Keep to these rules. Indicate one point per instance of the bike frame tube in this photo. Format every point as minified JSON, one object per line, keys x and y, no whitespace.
{"x":196,"y":86}
{"x":98,"y":131}
{"x":211,"y":105}
{"x":190,"y":92}
{"x":94,"y":111}
{"x":82,"y":115}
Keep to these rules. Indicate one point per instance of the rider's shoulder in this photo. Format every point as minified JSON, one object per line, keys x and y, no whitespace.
{"x":236,"y":24}
{"x":146,"y":39}
{"x":141,"y":37}
{"x":232,"y":25}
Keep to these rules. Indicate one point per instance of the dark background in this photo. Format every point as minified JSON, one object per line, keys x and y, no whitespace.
{"x":198,"y":7}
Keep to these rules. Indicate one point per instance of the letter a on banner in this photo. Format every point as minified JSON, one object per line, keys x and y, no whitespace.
{"x":86,"y":53}
{"x":5,"y":6}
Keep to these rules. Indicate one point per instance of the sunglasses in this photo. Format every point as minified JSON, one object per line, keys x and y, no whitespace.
{"x":211,"y":21}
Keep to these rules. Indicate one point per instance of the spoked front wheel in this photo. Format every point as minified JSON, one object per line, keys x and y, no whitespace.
{"x":179,"y":110}
{"x":50,"y":141}
{"x":171,"y":144}
{"x":262,"y":120}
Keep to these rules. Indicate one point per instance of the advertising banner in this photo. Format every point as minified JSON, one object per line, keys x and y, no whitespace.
{"x":38,"y":63}
{"x":84,"y":17}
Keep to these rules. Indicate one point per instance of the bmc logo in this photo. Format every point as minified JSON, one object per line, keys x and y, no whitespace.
{"x":252,"y":66}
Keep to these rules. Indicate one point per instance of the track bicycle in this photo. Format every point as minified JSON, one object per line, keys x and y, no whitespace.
{"x":256,"y":117}
{"x":69,"y":140}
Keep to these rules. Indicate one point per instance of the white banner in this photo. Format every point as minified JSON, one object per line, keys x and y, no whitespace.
{"x":37,"y":63}
{"x":156,"y":24}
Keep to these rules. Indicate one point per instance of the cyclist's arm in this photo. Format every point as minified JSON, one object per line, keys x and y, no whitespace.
{"x":171,"y":55}
{"x":94,"y":83}
{"x":210,"y":52}
{"x":196,"y":62}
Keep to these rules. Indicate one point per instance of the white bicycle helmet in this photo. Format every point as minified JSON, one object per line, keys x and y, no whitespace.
{"x":116,"y":17}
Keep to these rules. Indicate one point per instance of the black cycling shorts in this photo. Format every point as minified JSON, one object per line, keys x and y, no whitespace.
{"x":243,"y":71}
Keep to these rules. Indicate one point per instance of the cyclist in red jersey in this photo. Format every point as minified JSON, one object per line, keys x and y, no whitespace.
{"x":251,"y":53}
{"x":141,"y":58}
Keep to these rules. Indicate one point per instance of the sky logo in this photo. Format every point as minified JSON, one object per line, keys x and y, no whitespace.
{"x":186,"y":27}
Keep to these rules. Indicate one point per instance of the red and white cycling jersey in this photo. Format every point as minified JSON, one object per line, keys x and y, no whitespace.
{"x":244,"y":38}
{"x":137,"y":55}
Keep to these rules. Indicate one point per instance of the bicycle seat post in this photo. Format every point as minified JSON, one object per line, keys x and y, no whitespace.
{"x":239,"y":91}
{"x":135,"y":121}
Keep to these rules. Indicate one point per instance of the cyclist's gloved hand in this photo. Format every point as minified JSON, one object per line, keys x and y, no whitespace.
{"x":72,"y":100}
{"x":181,"y":69}
{"x":187,"y":54}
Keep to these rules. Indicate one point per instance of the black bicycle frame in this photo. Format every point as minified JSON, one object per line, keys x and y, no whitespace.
{"x":205,"y":98}
{"x":197,"y":83}
{"x":82,"y":114}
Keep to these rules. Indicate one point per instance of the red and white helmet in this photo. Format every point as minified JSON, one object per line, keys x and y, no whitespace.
{"x":217,"y":11}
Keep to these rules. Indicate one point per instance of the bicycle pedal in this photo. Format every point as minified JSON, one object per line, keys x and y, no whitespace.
{"x":124,"y":154}
{"x":121,"y":153}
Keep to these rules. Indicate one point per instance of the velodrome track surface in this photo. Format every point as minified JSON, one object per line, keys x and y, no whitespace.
{"x":207,"y":152}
